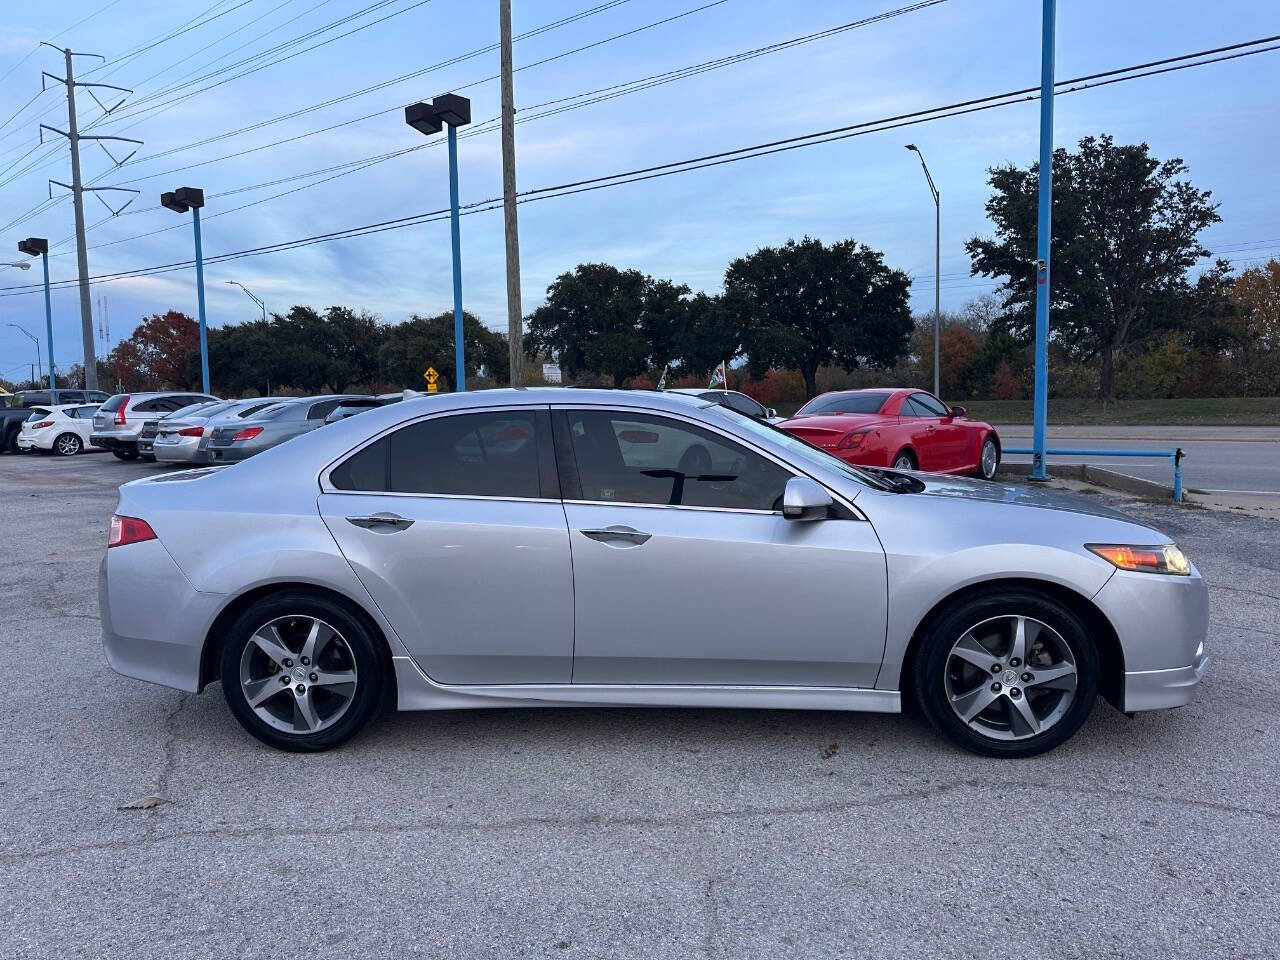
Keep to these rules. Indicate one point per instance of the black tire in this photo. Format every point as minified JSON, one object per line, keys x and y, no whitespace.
{"x":125,"y":454}
{"x":930,"y":667}
{"x":911,"y":463}
{"x":989,"y":441}
{"x":67,"y":445}
{"x":371,"y":662}
{"x":11,"y":442}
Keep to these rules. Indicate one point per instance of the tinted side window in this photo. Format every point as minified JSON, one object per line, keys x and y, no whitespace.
{"x":928,"y":406}
{"x":492,"y":454}
{"x":30,"y":399}
{"x":321,"y":410}
{"x":368,"y":470}
{"x":639,"y":458}
{"x":743,"y":404}
{"x":70,"y":396}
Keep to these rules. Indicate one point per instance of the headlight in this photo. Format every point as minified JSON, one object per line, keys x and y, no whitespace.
{"x":1166,"y":558}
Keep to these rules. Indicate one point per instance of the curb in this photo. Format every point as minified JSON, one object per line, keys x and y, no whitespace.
{"x":1098,"y":476}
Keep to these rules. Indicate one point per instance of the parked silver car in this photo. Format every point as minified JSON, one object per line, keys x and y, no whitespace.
{"x":119,"y":421}
{"x":178,"y":435}
{"x":503,"y":549}
{"x":229,"y":443}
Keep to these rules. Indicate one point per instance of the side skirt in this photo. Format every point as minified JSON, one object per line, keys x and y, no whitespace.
{"x":416,"y":691}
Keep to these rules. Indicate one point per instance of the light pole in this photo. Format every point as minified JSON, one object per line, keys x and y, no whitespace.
{"x":34,"y":339}
{"x":260,"y":303}
{"x":180,"y":201}
{"x":39,"y":247}
{"x":937,"y":270}
{"x":453,"y":111}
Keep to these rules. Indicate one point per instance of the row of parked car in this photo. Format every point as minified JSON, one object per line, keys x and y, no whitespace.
{"x":170,"y":426}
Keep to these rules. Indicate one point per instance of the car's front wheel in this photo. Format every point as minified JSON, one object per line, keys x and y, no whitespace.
{"x":302,"y":672}
{"x":1007,"y":674}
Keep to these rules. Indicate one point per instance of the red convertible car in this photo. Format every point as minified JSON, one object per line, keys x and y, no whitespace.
{"x":906,"y":429}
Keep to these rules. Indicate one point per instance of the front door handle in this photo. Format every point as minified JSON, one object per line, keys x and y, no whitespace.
{"x":617,"y":535}
{"x":381,"y":522}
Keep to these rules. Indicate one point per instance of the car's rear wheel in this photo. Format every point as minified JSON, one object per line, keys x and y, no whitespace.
{"x":1007,"y":674}
{"x":905,"y":460}
{"x":125,"y":454}
{"x":67,"y":445}
{"x":302,"y":672}
{"x":989,"y":459}
{"x":11,"y":442}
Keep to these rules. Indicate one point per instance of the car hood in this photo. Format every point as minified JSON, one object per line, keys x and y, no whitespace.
{"x":825,"y":430}
{"x":965,"y":488}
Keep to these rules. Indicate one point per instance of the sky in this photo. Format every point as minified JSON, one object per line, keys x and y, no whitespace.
{"x":179,"y":57}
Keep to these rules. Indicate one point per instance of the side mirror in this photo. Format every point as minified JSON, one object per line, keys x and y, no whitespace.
{"x":958,"y":411}
{"x":804,"y":499}
{"x":770,"y":412}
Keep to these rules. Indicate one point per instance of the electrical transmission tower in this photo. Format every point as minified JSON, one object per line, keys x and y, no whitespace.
{"x":78,"y":190}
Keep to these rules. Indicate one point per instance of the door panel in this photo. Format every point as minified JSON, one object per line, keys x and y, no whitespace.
{"x":723,"y":597}
{"x":480,"y":591}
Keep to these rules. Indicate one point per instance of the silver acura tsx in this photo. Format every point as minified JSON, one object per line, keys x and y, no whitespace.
{"x":550,"y":547}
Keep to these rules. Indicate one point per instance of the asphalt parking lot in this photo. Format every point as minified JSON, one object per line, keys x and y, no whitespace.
{"x":625,"y":833}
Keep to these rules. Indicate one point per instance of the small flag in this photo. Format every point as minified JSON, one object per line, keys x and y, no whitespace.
{"x":720,"y":376}
{"x":662,"y":380}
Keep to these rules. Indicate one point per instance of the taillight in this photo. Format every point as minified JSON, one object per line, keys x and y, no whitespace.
{"x":120,"y":411}
{"x":248,"y":433}
{"x":850,"y":440}
{"x":126,"y":530}
{"x":191,"y":432}
{"x":42,"y":424}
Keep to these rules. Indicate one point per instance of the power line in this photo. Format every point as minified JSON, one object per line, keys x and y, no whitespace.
{"x":642,"y":173}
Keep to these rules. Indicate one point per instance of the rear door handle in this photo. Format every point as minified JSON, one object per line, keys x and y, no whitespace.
{"x":617,"y":535}
{"x":381,"y":522}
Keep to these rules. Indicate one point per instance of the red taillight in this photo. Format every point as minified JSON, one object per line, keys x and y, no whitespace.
{"x":850,"y":440}
{"x":191,"y":432}
{"x":42,"y":424}
{"x":126,"y":530}
{"x":248,"y":433}
{"x":124,"y":403}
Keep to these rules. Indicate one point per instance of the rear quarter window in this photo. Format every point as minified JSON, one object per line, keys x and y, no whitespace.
{"x":113,"y":403}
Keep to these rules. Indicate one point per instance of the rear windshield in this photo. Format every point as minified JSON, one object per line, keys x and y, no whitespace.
{"x":37,"y":413}
{"x":113,"y":404}
{"x":845,"y":403}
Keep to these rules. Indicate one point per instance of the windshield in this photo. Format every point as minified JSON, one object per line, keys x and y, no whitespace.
{"x":37,"y":413}
{"x":844,"y":403}
{"x":190,"y":409}
{"x":802,"y":451}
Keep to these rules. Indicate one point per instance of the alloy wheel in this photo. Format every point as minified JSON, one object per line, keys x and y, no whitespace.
{"x":990,"y":459}
{"x":903,"y":462}
{"x":1010,"y":677}
{"x":68,"y":445}
{"x":298,"y":674}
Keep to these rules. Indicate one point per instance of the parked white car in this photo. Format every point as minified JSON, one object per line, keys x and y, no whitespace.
{"x":63,"y":429}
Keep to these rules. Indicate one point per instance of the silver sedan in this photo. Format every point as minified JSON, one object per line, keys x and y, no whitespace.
{"x":518,"y":548}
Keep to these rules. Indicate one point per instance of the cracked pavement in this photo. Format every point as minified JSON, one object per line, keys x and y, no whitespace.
{"x":616,"y":833}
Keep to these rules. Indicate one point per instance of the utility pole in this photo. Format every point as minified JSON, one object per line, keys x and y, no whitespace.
{"x":515,"y":318}
{"x":78,"y":190}
{"x":1044,"y":233}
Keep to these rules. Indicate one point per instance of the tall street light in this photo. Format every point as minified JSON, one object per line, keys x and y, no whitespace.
{"x":454,"y":111}
{"x":937,"y":269}
{"x":39,"y":247}
{"x":260,"y":303}
{"x":180,"y":201}
{"x":20,"y":264}
{"x":34,"y":339}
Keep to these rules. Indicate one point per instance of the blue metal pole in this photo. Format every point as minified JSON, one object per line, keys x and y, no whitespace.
{"x":204,"y":339}
{"x":1177,"y":475}
{"x":460,"y":367}
{"x":1043,"y":233}
{"x":48,"y":320}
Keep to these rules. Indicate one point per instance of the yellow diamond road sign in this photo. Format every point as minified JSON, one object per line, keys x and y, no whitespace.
{"x":431,"y":377}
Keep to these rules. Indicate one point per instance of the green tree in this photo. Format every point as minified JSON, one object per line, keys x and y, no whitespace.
{"x":599,"y":319}
{"x":806,"y":304}
{"x":1125,"y":233}
{"x":712,"y":332}
{"x":409,"y":348}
